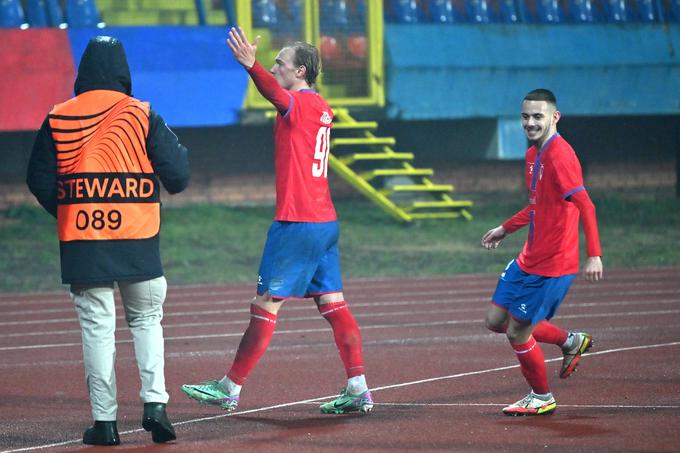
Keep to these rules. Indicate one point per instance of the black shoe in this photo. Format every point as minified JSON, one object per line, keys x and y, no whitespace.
{"x":102,"y":433}
{"x":156,"y":420}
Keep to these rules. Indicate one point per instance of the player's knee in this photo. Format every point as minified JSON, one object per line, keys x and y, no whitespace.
{"x":495,"y":323}
{"x":512,"y":336}
{"x":267,"y":303}
{"x":494,"y":326}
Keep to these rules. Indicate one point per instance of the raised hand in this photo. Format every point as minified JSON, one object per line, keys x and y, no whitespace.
{"x":243,"y":50}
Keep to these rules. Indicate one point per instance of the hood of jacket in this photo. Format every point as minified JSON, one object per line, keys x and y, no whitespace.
{"x":103,"y":67}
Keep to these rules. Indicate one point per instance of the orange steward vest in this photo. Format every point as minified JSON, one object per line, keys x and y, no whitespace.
{"x":106,"y":188}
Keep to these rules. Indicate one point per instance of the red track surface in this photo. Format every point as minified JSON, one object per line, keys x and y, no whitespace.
{"x":438,"y":377}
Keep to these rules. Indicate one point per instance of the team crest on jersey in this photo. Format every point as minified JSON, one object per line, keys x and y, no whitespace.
{"x":540,"y":171}
{"x":326,"y":118}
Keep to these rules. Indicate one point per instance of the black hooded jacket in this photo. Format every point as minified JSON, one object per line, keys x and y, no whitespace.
{"x":104,"y":66}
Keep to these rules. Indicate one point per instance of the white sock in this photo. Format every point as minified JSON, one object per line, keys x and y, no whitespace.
{"x":569,"y":343}
{"x":543,"y":396}
{"x":357,"y":384}
{"x":229,"y":385}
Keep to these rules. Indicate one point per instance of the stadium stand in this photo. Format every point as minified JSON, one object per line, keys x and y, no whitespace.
{"x":12,"y":14}
{"x":36,"y":14}
{"x":673,"y":10}
{"x":530,"y":11}
{"x":480,"y":12}
{"x":337,"y":15}
{"x":404,"y":12}
{"x":444,"y":11}
{"x":508,"y":12}
{"x":82,"y":13}
{"x":583,"y":11}
{"x":265,"y":13}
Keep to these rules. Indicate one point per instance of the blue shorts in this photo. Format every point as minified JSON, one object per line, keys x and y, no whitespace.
{"x":528,"y":297}
{"x":300,"y":259}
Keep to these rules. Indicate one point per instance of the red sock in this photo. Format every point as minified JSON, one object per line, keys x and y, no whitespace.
{"x":547,"y":332}
{"x":253,"y":343}
{"x":347,"y":336}
{"x":532,"y":363}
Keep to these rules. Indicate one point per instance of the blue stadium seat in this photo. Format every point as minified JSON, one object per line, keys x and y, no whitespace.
{"x":648,"y":11}
{"x":265,"y":13}
{"x":54,"y":13}
{"x":292,"y":20}
{"x":82,"y":13}
{"x":334,"y":16}
{"x":583,"y":11}
{"x":549,"y":12}
{"x":480,"y":11}
{"x":443,"y":11}
{"x":673,"y":10}
{"x":507,"y":12}
{"x":11,"y":14}
{"x":618,"y":11}
{"x":360,"y":11}
{"x":406,"y":11}
{"x":36,"y":13}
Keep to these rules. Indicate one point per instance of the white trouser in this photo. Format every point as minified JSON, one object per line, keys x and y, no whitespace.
{"x":143,"y":303}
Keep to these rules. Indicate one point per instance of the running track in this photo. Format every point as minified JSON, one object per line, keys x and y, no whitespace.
{"x":438,"y":377}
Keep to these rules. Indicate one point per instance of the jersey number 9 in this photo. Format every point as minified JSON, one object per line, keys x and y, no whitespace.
{"x":321,"y":150}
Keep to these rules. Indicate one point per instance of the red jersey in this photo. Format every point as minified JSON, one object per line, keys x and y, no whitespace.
{"x":553,"y":175}
{"x":302,"y":141}
{"x":301,"y":137}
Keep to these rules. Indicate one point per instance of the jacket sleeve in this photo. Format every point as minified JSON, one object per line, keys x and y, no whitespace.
{"x":41,"y":175}
{"x":170,"y":160}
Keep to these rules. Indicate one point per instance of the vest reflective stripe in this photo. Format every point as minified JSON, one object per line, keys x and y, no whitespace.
{"x":100,"y":138}
{"x":101,"y":131}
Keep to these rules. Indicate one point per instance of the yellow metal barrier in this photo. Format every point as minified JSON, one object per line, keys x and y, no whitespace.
{"x":353,"y":77}
{"x":403,"y":191}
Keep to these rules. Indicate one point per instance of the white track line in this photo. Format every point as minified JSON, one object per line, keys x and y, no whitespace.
{"x":358,"y":315}
{"x":325,"y":329}
{"x":386,"y":387}
{"x":240,"y":295}
{"x":65,"y":305}
{"x":292,"y":308}
{"x":364,"y":327}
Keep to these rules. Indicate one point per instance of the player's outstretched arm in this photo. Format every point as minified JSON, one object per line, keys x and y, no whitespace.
{"x":243,"y":50}
{"x":265,"y":82}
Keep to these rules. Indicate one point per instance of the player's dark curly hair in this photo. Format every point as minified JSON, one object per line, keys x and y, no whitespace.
{"x":308,"y":56}
{"x":541,"y":94}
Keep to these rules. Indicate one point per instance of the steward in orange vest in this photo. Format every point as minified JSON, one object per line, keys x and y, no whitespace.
{"x":95,"y":166}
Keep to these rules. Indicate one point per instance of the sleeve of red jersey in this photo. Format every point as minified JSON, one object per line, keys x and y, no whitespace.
{"x":570,"y":180}
{"x":269,"y":88}
{"x":568,"y":173}
{"x":517,"y":221}
{"x":589,"y":221}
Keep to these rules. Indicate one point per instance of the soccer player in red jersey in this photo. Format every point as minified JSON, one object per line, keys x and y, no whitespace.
{"x":300,"y":257}
{"x":532,"y":286}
